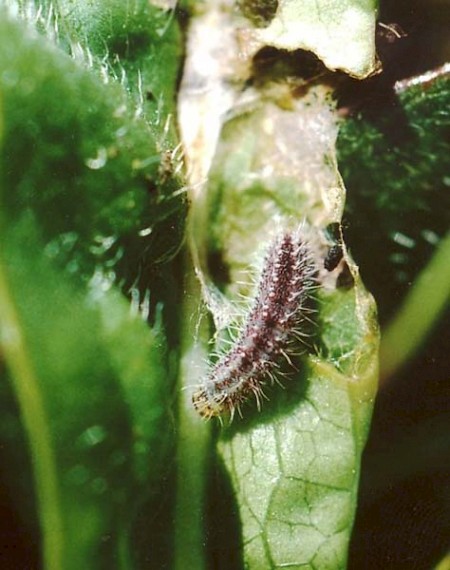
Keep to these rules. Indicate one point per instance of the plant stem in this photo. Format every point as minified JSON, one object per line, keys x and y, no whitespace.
{"x":194,"y":439}
{"x":444,"y":564}
{"x":422,"y":307}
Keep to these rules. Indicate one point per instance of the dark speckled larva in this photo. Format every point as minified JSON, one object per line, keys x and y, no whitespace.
{"x":274,"y":329}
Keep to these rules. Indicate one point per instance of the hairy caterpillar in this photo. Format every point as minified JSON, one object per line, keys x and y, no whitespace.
{"x":272,"y":331}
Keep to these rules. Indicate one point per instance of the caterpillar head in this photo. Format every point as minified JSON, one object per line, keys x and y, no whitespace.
{"x":208,"y":407}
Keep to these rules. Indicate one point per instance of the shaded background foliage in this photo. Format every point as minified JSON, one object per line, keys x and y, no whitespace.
{"x":404,"y":498}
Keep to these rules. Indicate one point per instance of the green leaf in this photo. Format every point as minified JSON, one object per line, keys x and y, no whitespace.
{"x":134,"y":42}
{"x":91,"y":385}
{"x":393,"y":159}
{"x":296,"y":477}
{"x":75,"y":152}
{"x":88,"y":204}
{"x":340,"y":32}
{"x":294,"y":466}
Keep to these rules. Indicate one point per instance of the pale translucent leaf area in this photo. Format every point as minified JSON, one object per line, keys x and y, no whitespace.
{"x":294,"y":465}
{"x":262,"y":160}
{"x":340,"y":32}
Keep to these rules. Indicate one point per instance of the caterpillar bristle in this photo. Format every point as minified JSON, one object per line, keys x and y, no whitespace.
{"x":275,"y":331}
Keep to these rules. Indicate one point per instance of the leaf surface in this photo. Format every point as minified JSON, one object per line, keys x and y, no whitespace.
{"x":86,"y":209}
{"x":293,"y":466}
{"x":340,"y":32}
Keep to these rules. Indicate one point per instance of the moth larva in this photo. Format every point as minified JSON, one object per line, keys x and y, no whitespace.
{"x":272,"y":331}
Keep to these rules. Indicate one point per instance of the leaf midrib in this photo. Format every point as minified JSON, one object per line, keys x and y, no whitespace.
{"x":35,"y":420}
